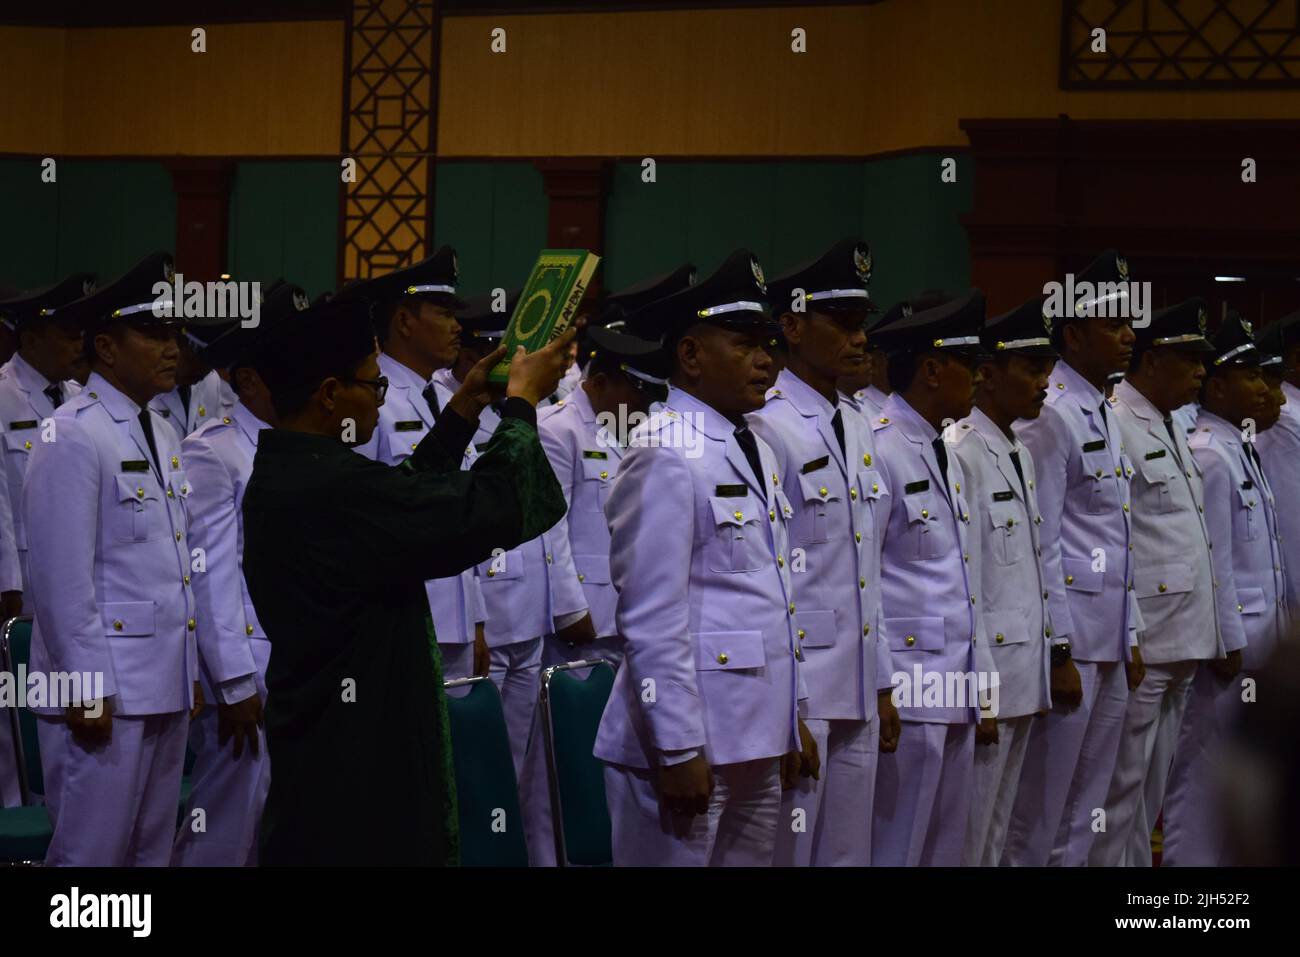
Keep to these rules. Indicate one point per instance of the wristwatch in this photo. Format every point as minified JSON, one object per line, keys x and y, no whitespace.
{"x":1060,"y":654}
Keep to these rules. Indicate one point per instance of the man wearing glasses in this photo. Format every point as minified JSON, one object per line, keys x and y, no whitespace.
{"x":337,"y":551}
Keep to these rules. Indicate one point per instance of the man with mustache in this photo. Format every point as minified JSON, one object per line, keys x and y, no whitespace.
{"x":930,"y":587}
{"x":413,"y":311}
{"x":110,"y":576}
{"x":1188,"y":614}
{"x":1241,"y":514}
{"x":1000,"y":485}
{"x":826,"y":460}
{"x":702,"y":727}
{"x":1083,"y":494}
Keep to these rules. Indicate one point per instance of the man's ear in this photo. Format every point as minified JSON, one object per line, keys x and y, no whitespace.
{"x":401,"y":321}
{"x":931,"y":371}
{"x":327,"y":393}
{"x":1072,"y":336}
{"x":690,"y":355}
{"x":106,"y":348}
{"x":792,"y":327}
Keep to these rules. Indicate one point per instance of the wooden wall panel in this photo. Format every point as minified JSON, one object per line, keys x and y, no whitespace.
{"x":31,"y":90}
{"x":891,"y":76}
{"x":264,"y":89}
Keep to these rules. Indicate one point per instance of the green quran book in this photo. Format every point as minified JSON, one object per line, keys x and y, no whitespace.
{"x":548,"y":304}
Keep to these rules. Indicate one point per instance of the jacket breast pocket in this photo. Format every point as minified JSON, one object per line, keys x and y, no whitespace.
{"x":506,"y":566}
{"x":1249,"y":513}
{"x":130,"y":619}
{"x":139,"y":513}
{"x":874,"y":497}
{"x":915,"y":634}
{"x":818,"y":489}
{"x":402,"y":444}
{"x":738,"y":543}
{"x":923,"y":529}
{"x":596,"y":477}
{"x":1159,"y":477}
{"x":729,"y":650}
{"x":1099,"y":473}
{"x":1006,"y":530}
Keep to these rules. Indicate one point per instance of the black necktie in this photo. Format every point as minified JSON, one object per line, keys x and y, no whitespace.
{"x":1015,"y":460}
{"x":837,"y":423}
{"x":1254,"y":457}
{"x":431,"y":397}
{"x":184,"y":392}
{"x":146,"y":423}
{"x":748,"y":445}
{"x":941,"y":453}
{"x":1105,"y":422}
{"x":55,"y":393}
{"x":1173,"y":440}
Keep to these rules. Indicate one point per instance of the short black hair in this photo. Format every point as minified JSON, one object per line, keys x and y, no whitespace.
{"x":382,"y":316}
{"x":290,"y":400}
{"x":901,"y":369}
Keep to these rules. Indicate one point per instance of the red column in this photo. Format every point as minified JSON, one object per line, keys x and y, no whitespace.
{"x":202,"y":208}
{"x":576,"y":190}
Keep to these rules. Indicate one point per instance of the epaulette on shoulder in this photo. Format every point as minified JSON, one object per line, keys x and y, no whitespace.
{"x":958,"y":432}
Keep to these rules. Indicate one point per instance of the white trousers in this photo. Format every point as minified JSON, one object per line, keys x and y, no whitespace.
{"x":1066,"y":772}
{"x":827,"y":823}
{"x":923,"y":796}
{"x":993,"y":792}
{"x":1146,"y":752}
{"x":738,"y":830}
{"x":114,"y":805}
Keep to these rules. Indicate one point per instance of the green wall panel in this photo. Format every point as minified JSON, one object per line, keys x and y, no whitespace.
{"x":494,"y":213}
{"x":789,"y":212}
{"x":99,"y":216}
{"x":284,"y":222}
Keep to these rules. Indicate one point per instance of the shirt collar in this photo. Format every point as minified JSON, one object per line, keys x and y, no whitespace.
{"x":28,"y":377}
{"x":399,"y":374}
{"x":897,"y":409}
{"x":1083,"y":391}
{"x":804,"y":396}
{"x":1138,"y":403}
{"x":248,"y":423}
{"x":702,"y":415}
{"x":118,"y":403}
{"x":995,"y":437}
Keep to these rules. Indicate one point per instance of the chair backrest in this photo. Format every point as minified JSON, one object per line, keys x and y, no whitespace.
{"x":571,"y":710}
{"x":487,"y":794}
{"x":16,"y":648}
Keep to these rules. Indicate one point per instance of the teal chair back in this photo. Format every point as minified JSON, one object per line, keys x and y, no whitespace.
{"x":571,"y":711}
{"x":487,"y":794}
{"x":25,"y":834}
{"x":16,"y":648}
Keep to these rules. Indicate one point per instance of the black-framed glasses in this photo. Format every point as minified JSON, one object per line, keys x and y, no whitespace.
{"x":380,"y":385}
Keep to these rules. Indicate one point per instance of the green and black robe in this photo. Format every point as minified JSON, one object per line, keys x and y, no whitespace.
{"x":336,"y":552}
